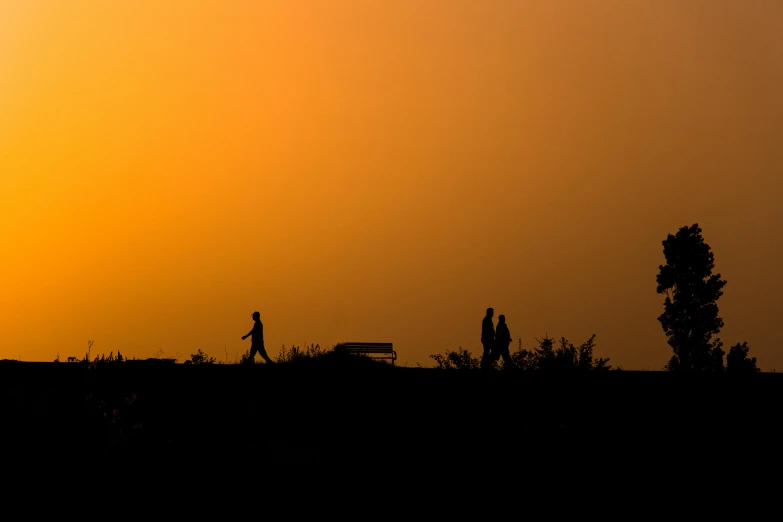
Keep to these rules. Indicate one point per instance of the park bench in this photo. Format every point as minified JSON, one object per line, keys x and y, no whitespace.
{"x":372,"y":350}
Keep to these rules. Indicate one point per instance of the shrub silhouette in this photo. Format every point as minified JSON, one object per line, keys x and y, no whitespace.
{"x":459,"y":360}
{"x":737,"y":360}
{"x":295,"y":353}
{"x":565,"y":356}
{"x":546,"y":356}
{"x":110,"y":358}
{"x":200,"y":358}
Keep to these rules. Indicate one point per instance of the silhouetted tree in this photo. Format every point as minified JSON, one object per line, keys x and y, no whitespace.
{"x":690,"y":316}
{"x":737,"y":360}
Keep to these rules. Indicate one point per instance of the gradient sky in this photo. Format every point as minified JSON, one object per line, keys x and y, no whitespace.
{"x":359,"y":170}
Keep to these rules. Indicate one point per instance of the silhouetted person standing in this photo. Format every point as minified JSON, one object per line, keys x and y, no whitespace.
{"x":502,"y":340}
{"x":487,"y":337}
{"x":258,"y":340}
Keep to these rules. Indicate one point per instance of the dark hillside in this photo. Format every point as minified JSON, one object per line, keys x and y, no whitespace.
{"x":312,"y":417}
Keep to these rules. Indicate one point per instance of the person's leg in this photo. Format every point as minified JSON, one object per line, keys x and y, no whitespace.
{"x":485,"y":358}
{"x":487,"y":348}
{"x":262,"y":352}
{"x":251,"y":358}
{"x":507,"y":358}
{"x":497,"y":351}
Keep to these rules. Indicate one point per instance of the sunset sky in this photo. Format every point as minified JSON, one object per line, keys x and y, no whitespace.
{"x":359,"y":170}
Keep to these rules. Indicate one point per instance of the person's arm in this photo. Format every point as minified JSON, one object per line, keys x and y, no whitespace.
{"x":248,"y":335}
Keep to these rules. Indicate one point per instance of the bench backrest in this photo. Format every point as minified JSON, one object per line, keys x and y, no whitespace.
{"x":366,"y":347}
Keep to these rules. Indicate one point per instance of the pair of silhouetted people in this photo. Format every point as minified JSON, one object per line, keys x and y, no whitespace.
{"x":257,"y":345}
{"x":495,"y":342}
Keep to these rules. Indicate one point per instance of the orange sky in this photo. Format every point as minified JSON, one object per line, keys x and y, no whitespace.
{"x":382,"y":171}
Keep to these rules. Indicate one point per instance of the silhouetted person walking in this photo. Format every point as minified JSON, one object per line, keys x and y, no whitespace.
{"x":502,"y":340}
{"x":487,"y":337}
{"x":258,"y":340}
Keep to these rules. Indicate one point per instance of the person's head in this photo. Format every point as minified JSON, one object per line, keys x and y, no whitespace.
{"x":490,"y":311}
{"x":502,"y":318}
{"x":256,"y":316}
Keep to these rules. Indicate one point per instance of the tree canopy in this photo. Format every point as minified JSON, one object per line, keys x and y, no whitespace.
{"x":690,"y":317}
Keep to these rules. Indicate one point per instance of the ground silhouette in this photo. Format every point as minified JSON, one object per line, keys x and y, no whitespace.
{"x":368,"y":417}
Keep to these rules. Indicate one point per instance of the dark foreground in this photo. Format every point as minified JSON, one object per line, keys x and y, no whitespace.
{"x":375,"y":419}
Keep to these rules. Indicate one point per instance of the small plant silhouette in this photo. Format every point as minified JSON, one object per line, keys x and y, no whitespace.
{"x":566,"y":356}
{"x":546,"y":356}
{"x":201,"y":358}
{"x":89,"y":349}
{"x":456,"y":360}
{"x":295,"y":353}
